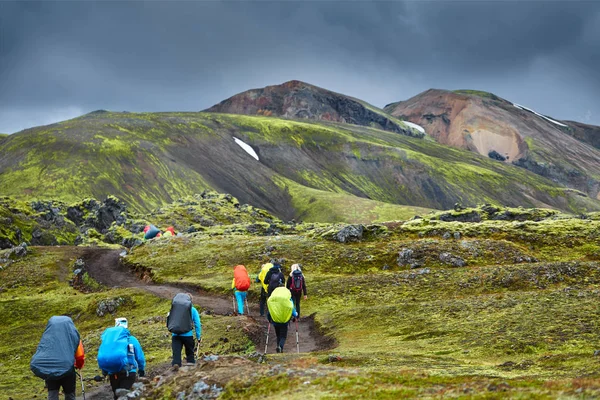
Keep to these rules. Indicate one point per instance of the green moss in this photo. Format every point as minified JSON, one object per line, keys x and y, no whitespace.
{"x":478,"y":93}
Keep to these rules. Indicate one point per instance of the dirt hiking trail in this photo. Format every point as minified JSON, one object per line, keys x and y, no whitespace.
{"x":104,"y":266}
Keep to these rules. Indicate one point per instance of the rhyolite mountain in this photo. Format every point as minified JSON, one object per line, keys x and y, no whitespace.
{"x":310,"y":169}
{"x":564,"y":151}
{"x":300,"y":100}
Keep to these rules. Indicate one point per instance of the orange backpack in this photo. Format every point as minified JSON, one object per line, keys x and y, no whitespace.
{"x":242,"y":280}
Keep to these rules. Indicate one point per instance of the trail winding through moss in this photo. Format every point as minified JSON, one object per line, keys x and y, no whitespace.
{"x":104,"y":266}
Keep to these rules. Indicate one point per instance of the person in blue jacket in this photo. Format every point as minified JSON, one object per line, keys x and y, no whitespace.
{"x":178,"y":341}
{"x":136,"y":363}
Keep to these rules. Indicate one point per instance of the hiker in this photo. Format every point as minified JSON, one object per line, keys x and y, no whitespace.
{"x":264,"y":286}
{"x":274,"y":278}
{"x":240,"y":286}
{"x":297,"y":285}
{"x":120,"y":356}
{"x":280,"y":309}
{"x":181,"y":320}
{"x":58,"y":354}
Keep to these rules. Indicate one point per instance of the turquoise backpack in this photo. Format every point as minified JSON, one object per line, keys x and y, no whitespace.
{"x":115,"y":354}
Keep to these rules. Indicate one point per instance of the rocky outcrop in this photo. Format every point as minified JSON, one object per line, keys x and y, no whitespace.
{"x":299,"y":100}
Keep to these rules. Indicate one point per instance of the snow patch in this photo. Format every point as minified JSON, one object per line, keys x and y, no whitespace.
{"x":520,"y":107}
{"x":247,"y":148}
{"x":415,"y":126}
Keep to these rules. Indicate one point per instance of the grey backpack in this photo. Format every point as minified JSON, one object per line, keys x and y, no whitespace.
{"x":179,"y":319}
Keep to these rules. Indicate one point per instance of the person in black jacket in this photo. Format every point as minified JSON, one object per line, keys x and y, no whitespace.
{"x":274,"y":278}
{"x":297,"y":285}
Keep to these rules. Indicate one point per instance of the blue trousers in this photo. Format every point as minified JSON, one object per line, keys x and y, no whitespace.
{"x":240,"y":297}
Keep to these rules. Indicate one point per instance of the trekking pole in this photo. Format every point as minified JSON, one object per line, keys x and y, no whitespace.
{"x":198,"y":348}
{"x":247,"y":306}
{"x":297,"y":342}
{"x":234,"y":307}
{"x":268,"y":330}
{"x":82,"y":386}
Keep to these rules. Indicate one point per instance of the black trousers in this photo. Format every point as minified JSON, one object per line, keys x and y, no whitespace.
{"x":263,"y":301}
{"x":122,"y":381}
{"x":281,"y":330}
{"x":177,"y":342}
{"x":67,"y":382}
{"x":297,"y":296}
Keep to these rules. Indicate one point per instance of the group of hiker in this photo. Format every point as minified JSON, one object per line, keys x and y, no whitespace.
{"x":121,"y":357}
{"x":280,"y":296}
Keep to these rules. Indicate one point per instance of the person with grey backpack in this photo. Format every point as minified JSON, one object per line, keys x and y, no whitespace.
{"x":181,"y":321}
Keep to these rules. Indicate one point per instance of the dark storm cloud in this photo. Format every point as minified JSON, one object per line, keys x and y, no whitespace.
{"x":58,"y":60}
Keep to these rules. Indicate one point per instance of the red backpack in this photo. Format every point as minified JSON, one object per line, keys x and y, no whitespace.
{"x":242,"y":280}
{"x":297,"y":283}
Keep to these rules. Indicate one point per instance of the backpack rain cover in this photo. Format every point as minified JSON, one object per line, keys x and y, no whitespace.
{"x":112,"y":354}
{"x":55,"y":354}
{"x":242,"y":280}
{"x":179,"y":319}
{"x":280,"y":306}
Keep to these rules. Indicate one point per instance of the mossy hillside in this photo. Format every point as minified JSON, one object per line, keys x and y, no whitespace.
{"x":88,"y":222}
{"x":330,"y":207}
{"x":36,"y":287}
{"x":150,"y":159}
{"x":91,"y":156}
{"x":19,"y":222}
{"x":399,"y":169}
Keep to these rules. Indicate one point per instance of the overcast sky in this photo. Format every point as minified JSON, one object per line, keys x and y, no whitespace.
{"x":60,"y":60}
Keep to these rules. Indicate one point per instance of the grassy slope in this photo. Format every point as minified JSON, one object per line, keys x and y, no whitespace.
{"x":151,"y":159}
{"x":496,"y":320}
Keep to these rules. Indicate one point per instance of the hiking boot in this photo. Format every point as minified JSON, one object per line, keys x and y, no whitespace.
{"x":175,"y":368}
{"x":278,"y":349}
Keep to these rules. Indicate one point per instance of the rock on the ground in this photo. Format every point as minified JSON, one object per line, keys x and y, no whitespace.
{"x":350,"y":233}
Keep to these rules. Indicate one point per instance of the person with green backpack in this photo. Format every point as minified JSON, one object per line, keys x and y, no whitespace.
{"x":121,"y":357}
{"x":181,"y":321}
{"x":280,"y":310}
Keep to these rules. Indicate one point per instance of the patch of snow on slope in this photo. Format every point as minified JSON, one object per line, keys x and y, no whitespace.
{"x":247,"y":148}
{"x":415,"y":126}
{"x":539,"y":115}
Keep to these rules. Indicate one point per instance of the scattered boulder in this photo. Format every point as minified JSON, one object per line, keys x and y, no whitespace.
{"x":109,"y":306}
{"x":493,"y":154}
{"x":350,"y":233}
{"x":455,"y":261}
{"x":17,"y":252}
{"x":406,"y":257}
{"x":459,"y":216}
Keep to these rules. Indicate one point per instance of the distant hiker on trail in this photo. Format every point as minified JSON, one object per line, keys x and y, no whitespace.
{"x":59,"y":352}
{"x":264,"y":286}
{"x":274,"y":278}
{"x":182,"y":318}
{"x":297,"y":285}
{"x":240,"y":286}
{"x":120,"y":356}
{"x":280,"y":310}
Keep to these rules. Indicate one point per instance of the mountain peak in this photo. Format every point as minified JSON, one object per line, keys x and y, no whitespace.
{"x":300,"y":100}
